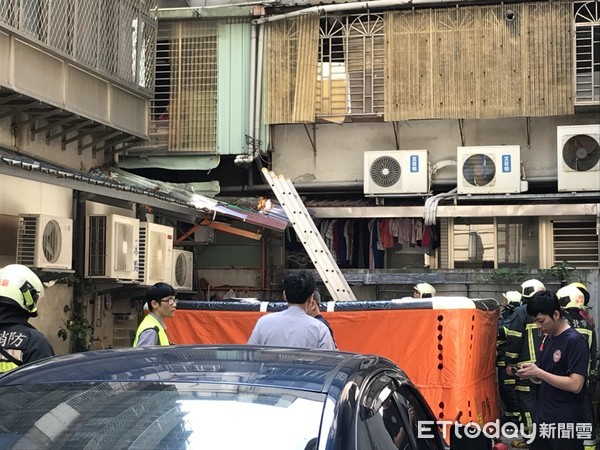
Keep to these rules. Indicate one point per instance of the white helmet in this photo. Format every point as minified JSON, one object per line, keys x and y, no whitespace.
{"x":425,"y":289}
{"x":586,"y":294}
{"x":512,"y":297}
{"x":530,"y":287}
{"x":20,"y":285}
{"x":570,"y":297}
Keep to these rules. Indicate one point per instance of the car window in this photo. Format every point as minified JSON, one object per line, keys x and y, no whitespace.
{"x":390,"y":415}
{"x":418,"y":413}
{"x":382,"y":425}
{"x":158,"y":416}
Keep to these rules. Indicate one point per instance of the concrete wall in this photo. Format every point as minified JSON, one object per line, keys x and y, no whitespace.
{"x":339,"y":152}
{"x":35,"y":145}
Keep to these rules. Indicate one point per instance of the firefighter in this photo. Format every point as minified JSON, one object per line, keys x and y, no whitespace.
{"x":522,"y":345}
{"x":506,"y":382}
{"x":424,"y":290}
{"x":572,"y":299}
{"x":20,"y":342}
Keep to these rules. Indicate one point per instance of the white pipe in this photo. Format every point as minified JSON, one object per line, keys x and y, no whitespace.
{"x":252,"y":100}
{"x":350,"y":6}
{"x":259,"y":81}
{"x":431,"y":204}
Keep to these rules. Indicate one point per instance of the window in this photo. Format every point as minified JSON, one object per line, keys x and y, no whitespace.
{"x":587,"y":53}
{"x":184,"y":109}
{"x":474,"y":243}
{"x":158,"y":415}
{"x":487,"y":243}
{"x":351,"y":66}
{"x":576,"y":243}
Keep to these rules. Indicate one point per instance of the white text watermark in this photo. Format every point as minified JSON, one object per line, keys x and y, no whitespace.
{"x":496,"y":430}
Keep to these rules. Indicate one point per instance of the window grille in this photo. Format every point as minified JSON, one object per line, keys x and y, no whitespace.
{"x":587,"y":53}
{"x":576,"y":243}
{"x":115,"y":38}
{"x":184,"y":108}
{"x":351,"y":66}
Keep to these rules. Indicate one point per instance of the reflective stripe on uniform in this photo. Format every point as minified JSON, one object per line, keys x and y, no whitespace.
{"x":5,"y":366}
{"x":530,"y":328}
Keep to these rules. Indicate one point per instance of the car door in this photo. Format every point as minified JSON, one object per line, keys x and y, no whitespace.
{"x":390,"y":414}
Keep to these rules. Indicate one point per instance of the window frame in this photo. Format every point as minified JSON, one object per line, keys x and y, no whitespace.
{"x":541,"y":245}
{"x":586,"y":21}
{"x":346,"y":31}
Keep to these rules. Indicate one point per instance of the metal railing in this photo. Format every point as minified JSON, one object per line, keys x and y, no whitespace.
{"x":115,"y":38}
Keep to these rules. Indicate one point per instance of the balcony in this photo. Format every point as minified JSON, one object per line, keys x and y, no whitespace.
{"x":78,"y":69}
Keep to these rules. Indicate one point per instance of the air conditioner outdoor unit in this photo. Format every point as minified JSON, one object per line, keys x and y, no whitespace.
{"x":578,"y":158}
{"x":112,"y":243}
{"x":183,"y":269}
{"x":489,"y":170}
{"x":45,"y":242}
{"x":396,"y":172}
{"x":156,"y":253}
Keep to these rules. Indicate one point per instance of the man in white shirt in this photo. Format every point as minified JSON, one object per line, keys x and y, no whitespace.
{"x":293,"y":327}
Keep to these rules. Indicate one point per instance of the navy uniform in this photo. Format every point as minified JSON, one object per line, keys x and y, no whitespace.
{"x":506,"y":382}
{"x":20,"y":342}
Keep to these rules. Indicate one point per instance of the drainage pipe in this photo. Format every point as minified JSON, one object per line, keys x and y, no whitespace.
{"x":321,"y":9}
{"x":259,"y":82}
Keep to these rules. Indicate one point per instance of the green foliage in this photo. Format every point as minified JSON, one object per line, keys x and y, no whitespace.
{"x":510,"y":275}
{"x":560,"y":273}
{"x":77,"y":326}
{"x":563,"y":273}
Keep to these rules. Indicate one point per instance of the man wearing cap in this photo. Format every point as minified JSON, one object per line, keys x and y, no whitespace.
{"x":523,"y":341}
{"x":162,"y":304}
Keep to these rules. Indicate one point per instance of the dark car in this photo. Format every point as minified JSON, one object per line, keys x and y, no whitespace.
{"x":214,"y":397}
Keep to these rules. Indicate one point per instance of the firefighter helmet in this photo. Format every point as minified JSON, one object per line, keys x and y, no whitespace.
{"x":18,"y":284}
{"x":512,"y":297}
{"x":570,"y":297}
{"x":425,"y":290}
{"x":583,"y":289}
{"x":530,"y":287}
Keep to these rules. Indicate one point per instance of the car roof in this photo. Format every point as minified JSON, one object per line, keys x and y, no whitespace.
{"x":293,"y":368}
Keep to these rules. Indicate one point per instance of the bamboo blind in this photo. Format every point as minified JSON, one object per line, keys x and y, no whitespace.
{"x":471,"y":62}
{"x":291,"y":70}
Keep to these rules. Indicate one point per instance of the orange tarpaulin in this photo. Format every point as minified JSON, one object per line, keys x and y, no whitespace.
{"x":449,"y":354}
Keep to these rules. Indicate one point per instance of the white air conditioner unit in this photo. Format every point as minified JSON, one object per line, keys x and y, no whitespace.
{"x":112,"y":247}
{"x":183,"y":269}
{"x":578,"y":158}
{"x":156,"y":253}
{"x":45,"y":242}
{"x":489,"y":170}
{"x":396,"y":172}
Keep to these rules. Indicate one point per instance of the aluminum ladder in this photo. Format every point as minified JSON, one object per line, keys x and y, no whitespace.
{"x":308,"y":233}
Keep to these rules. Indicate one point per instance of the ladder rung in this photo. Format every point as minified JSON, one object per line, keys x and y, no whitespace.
{"x":312,"y":240}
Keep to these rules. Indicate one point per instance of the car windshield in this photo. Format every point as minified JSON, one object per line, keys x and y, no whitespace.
{"x":130,"y":415}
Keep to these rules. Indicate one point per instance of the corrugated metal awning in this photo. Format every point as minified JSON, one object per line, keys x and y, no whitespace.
{"x":120,"y":185}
